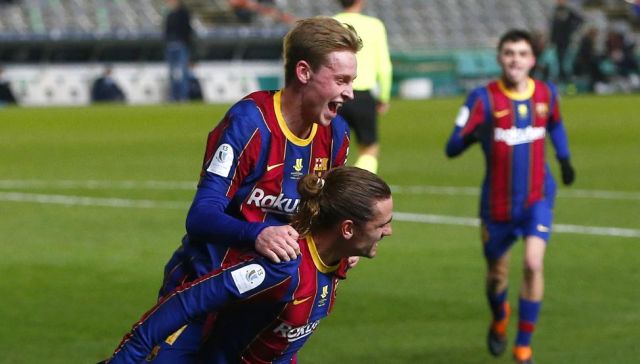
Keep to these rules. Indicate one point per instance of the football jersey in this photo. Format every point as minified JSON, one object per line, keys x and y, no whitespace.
{"x":264,"y":311}
{"x":517,"y":174}
{"x":249,"y":178}
{"x":251,"y":168}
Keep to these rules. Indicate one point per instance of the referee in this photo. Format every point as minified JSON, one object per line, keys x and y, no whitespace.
{"x":374,"y":74}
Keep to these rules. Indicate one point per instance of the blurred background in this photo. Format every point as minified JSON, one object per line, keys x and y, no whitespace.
{"x":93,"y":198}
{"x":52,"y":51}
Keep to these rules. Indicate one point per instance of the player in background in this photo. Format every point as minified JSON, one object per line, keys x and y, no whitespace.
{"x":255,"y":156}
{"x":510,"y":118}
{"x":374,"y":72}
{"x":266,"y":311}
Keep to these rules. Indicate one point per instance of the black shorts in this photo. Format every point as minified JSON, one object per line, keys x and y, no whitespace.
{"x":361,"y":115}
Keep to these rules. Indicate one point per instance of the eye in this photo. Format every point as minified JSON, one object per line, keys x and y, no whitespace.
{"x":342,"y":80}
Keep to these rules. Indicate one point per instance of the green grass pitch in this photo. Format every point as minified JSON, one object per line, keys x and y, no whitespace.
{"x":93,"y":201}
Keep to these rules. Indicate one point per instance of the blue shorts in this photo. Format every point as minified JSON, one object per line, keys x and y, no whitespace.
{"x":497,"y":237}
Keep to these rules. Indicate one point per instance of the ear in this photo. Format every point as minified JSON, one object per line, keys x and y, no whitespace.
{"x":303,"y":71}
{"x":347,"y":229}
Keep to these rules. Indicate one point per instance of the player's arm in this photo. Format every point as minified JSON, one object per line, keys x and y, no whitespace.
{"x":206,"y":295}
{"x":558,"y":136}
{"x":233,"y":153}
{"x":472,"y":124}
{"x":208,"y":221}
{"x":224,"y":169}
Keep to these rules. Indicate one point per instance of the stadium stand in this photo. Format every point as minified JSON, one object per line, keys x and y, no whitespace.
{"x":412,"y":24}
{"x":449,"y":42}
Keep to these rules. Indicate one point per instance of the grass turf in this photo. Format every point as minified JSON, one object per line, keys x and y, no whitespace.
{"x":74,"y":278}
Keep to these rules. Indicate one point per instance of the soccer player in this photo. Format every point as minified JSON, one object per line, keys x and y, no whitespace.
{"x":256,"y":155}
{"x":510,"y":118}
{"x":374,"y":71}
{"x":263,"y":312}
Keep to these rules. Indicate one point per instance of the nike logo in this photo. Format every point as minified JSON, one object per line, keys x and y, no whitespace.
{"x":273,"y":166}
{"x":297,"y":301}
{"x":500,"y":113}
{"x":543,"y":229}
{"x":173,"y":337}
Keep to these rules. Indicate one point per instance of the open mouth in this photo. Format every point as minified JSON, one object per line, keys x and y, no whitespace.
{"x":334,"y":106}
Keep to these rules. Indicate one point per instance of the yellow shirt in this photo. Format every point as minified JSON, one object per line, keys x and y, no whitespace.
{"x":374,"y":62}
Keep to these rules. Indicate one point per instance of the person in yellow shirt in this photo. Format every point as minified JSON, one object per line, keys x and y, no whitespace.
{"x":374,"y":74}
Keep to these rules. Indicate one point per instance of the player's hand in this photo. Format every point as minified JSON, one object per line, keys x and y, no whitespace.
{"x":278,"y":243}
{"x":382,"y":107}
{"x":352,"y":262}
{"x":568,"y":173}
{"x":480,"y":132}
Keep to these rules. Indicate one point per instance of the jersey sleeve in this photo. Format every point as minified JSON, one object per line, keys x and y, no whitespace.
{"x":555,"y":126}
{"x":471,"y":114}
{"x":232,"y":154}
{"x":223,"y":287}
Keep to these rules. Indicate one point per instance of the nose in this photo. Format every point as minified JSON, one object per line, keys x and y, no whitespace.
{"x":388,"y":231}
{"x":347,"y":93}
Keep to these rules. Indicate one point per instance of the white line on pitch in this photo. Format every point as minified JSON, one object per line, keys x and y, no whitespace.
{"x":398,"y":216}
{"x":475,"y":191}
{"x":90,"y":201}
{"x":559,"y":228}
{"x":189,"y":186}
{"x":97,"y":184}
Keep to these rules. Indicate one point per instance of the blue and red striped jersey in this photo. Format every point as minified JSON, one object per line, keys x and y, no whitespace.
{"x":264,"y":311}
{"x":251,"y":168}
{"x":517,"y":174}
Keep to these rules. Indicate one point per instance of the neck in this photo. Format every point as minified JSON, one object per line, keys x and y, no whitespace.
{"x":355,"y":8}
{"x":517,"y":87}
{"x":328,"y":247}
{"x":291,"y":108}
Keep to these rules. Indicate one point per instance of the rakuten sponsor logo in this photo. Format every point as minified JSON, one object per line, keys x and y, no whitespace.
{"x":296,"y":333}
{"x":270,"y":202}
{"x":515,"y":136}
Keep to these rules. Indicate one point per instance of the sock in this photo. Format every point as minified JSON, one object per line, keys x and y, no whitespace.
{"x":368,"y":162}
{"x":497,"y":304}
{"x":528,"y":316}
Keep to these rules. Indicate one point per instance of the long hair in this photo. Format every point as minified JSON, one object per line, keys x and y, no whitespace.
{"x":312,"y":39}
{"x":344,"y":193}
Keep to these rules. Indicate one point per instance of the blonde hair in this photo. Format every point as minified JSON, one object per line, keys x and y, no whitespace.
{"x":312,"y":39}
{"x":344,"y":193}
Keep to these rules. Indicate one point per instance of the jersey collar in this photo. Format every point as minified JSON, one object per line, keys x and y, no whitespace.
{"x":518,"y":96}
{"x":317,"y":261}
{"x":285,"y":129}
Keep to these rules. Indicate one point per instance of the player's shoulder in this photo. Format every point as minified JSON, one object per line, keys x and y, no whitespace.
{"x":279,"y":271}
{"x":339,"y":125}
{"x":250,"y":108}
{"x":257,"y":274}
{"x":546,"y":90}
{"x":553,"y":89}
{"x":479,"y":93}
